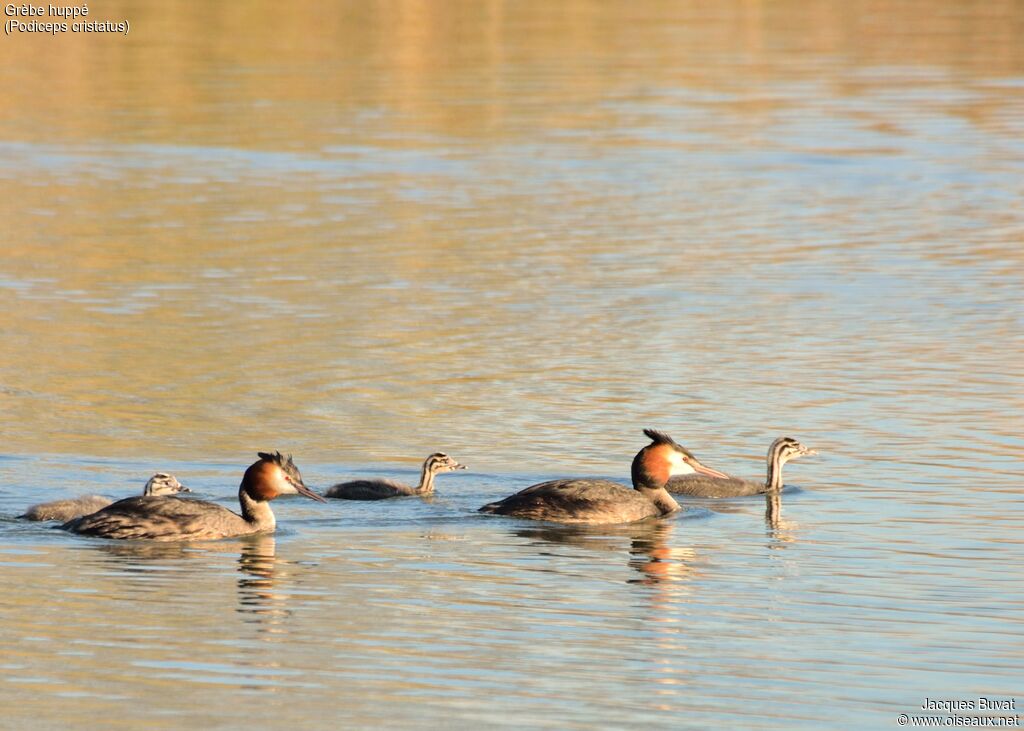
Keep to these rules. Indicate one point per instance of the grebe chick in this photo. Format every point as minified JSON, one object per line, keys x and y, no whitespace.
{"x":603,"y":501}
{"x":781,"y":451}
{"x":435,"y":464}
{"x":162,"y":483}
{"x":176,"y":519}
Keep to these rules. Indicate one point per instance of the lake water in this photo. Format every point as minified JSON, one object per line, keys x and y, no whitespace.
{"x":519,"y":233}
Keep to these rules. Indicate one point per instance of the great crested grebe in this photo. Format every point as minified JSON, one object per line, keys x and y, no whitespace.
{"x":603,"y":501}
{"x":380,"y":489}
{"x":781,"y":451}
{"x":162,"y":483}
{"x":176,"y":519}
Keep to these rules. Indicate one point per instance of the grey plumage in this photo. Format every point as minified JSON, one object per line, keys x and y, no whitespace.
{"x":162,"y":483}
{"x":594,"y":501}
{"x":698,"y":485}
{"x":162,"y":518}
{"x":380,"y":489}
{"x":175,"y":519}
{"x":577,"y":501}
{"x":780,"y":451}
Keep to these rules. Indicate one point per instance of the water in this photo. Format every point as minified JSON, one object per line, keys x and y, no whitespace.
{"x":519,"y":233}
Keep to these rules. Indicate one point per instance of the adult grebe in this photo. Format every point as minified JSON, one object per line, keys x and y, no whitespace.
{"x":175,"y":519}
{"x":781,"y":451}
{"x":381,"y":489}
{"x":161,"y":483}
{"x":603,"y":501}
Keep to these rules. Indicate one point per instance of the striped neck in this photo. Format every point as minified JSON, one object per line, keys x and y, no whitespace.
{"x":426,"y":478}
{"x":774,"y":481}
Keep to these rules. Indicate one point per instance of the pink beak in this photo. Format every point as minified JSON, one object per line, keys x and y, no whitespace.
{"x":706,"y":470}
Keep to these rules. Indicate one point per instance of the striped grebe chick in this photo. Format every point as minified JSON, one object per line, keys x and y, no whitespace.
{"x":380,"y":489}
{"x":162,"y":483}
{"x":781,"y":451}
{"x":177,"y":519}
{"x":603,"y":501}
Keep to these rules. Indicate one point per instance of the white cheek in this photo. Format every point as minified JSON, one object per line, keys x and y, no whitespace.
{"x":681,"y":467}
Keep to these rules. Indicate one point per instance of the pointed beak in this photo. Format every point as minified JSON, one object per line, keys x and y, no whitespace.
{"x":458,"y":466}
{"x":806,"y":451}
{"x":306,"y":492}
{"x":705,"y":470}
{"x":182,"y":488}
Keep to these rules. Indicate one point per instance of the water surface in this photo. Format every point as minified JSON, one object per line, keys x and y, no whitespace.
{"x":519,"y":233}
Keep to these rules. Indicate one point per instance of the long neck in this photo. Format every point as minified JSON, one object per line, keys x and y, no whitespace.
{"x":660,"y":497}
{"x":426,"y":480}
{"x":774,"y":481}
{"x":257,"y":513}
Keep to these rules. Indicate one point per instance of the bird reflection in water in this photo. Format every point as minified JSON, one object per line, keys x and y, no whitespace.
{"x":260,"y":571}
{"x":649,"y":549}
{"x":666,"y":571}
{"x":781,"y":531}
{"x":134,"y":556}
{"x":656,"y":560}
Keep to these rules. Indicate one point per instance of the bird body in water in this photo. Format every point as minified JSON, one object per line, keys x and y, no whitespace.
{"x":161,"y":483}
{"x":781,"y":451}
{"x":435,"y":464}
{"x":175,"y":519}
{"x":603,"y":501}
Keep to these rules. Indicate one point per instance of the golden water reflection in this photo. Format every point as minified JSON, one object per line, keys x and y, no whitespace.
{"x":520,"y":232}
{"x":781,"y":530}
{"x":422,"y":222}
{"x":650,"y":551}
{"x":260,"y":597}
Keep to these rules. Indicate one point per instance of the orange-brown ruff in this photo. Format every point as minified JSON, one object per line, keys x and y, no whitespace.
{"x":603,"y":501}
{"x":161,"y":483}
{"x":177,"y":519}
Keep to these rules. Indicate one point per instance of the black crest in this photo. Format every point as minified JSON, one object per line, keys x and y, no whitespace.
{"x":660,"y":437}
{"x":284,"y":462}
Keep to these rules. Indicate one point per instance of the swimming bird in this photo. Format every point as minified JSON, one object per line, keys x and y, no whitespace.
{"x":603,"y":501}
{"x":781,"y":451}
{"x":161,"y":483}
{"x":380,"y":489}
{"x":175,"y":519}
